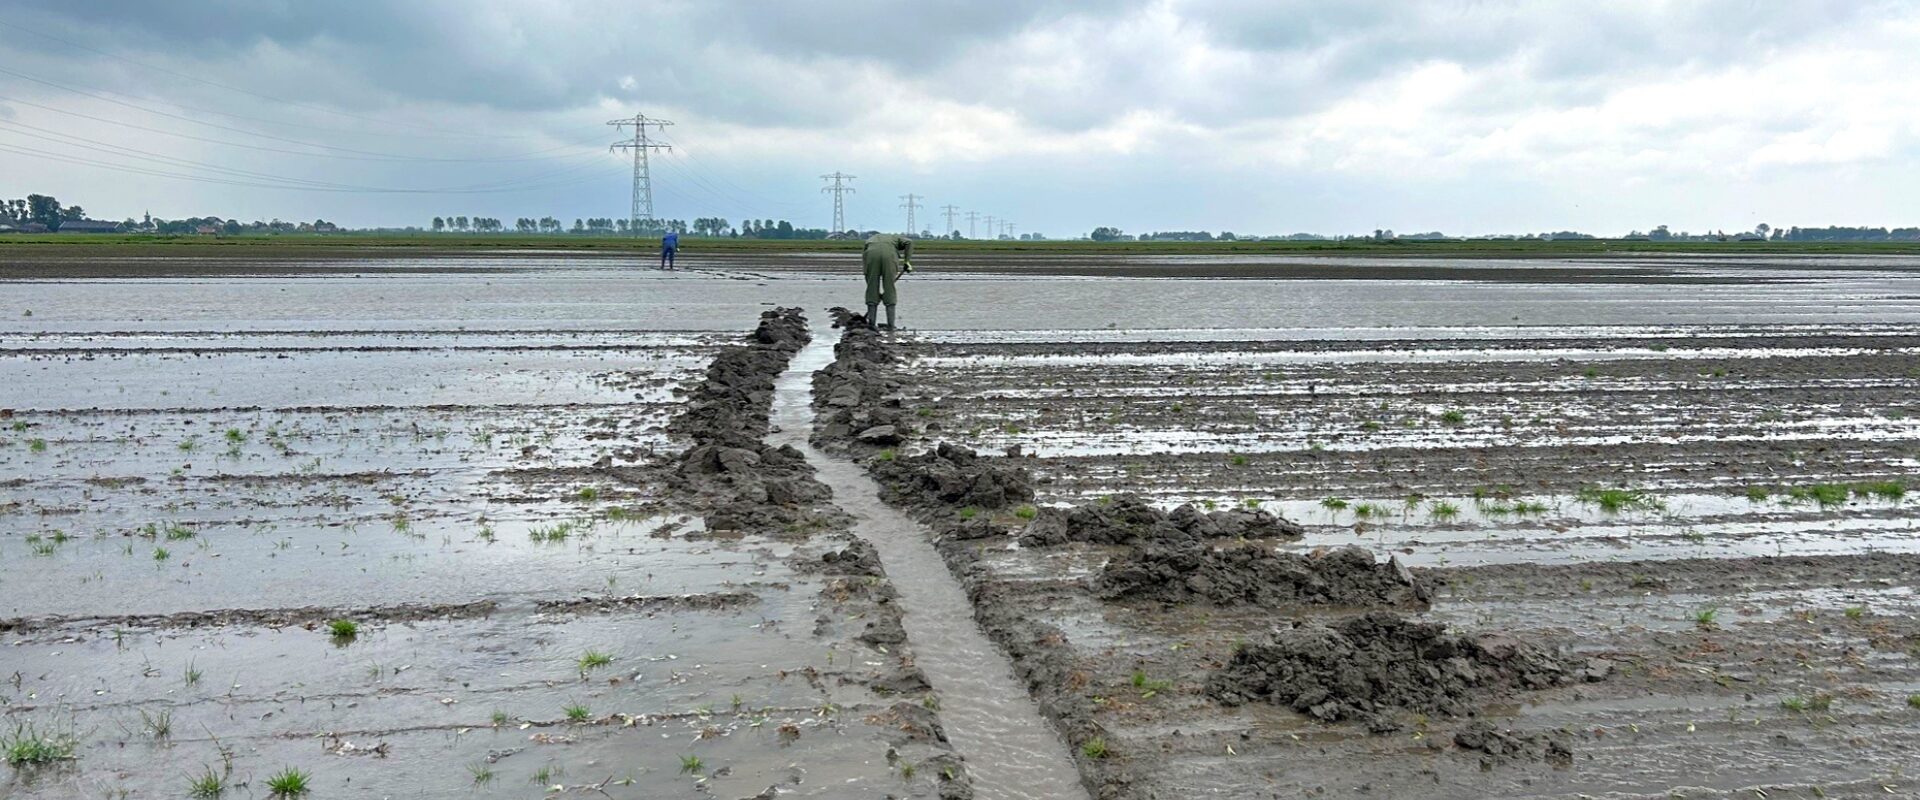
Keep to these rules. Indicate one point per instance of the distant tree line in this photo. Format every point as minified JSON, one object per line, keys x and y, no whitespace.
{"x":41,"y":209}
{"x":1844,"y":234}
{"x":717,"y":227}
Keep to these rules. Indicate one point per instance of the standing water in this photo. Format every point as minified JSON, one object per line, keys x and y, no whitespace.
{"x":1011,"y":751}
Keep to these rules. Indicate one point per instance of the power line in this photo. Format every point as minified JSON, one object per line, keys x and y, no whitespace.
{"x":364,"y":155}
{"x":642,"y":176}
{"x":282,"y":100}
{"x":910,"y":205}
{"x":838,"y":190}
{"x":950,"y":210}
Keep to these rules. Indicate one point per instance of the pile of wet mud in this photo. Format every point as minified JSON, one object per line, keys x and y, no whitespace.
{"x":1188,"y":571}
{"x":856,"y":397}
{"x":1130,"y":519}
{"x":1376,"y":665}
{"x":951,"y":476}
{"x":744,"y":483}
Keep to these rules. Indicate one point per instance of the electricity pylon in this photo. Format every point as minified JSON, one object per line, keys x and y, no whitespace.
{"x":910,"y":205}
{"x":838,"y":189}
{"x":642,"y":175}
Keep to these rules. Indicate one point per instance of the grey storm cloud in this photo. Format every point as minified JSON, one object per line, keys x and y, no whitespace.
{"x":1720,"y":101}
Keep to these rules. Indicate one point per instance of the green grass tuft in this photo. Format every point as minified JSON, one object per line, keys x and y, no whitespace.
{"x":1614,"y":501}
{"x":207,"y":785}
{"x":343,"y":628}
{"x":288,"y":782}
{"x":1095,"y":747}
{"x":29,"y":746}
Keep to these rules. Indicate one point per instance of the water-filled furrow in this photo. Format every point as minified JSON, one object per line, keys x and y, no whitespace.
{"x":1011,"y":751}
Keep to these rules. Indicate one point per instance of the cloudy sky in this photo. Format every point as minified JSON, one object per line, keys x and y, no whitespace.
{"x":1257,"y":116}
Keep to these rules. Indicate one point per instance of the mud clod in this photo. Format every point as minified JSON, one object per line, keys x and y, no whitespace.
{"x":1378,"y":664}
{"x":951,"y":475}
{"x":1129,"y":519}
{"x":1185,"y":571}
{"x":1498,"y":745}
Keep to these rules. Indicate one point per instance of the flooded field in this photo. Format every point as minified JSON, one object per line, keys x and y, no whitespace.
{"x":413,"y":527}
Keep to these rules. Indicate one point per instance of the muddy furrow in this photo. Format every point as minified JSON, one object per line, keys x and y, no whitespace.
{"x":1013,"y":753}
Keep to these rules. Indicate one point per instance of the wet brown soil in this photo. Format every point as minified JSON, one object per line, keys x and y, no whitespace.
{"x":1673,"y":568}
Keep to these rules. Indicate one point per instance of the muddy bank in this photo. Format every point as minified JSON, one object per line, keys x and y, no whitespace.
{"x":856,"y":398}
{"x":743,"y":483}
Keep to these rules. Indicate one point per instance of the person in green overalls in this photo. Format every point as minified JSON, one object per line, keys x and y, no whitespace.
{"x":887,"y":257}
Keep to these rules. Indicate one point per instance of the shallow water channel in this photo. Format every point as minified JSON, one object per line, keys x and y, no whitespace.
{"x":1011,"y":752}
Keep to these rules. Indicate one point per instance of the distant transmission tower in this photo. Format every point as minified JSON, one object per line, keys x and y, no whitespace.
{"x":910,"y":206}
{"x":990,"y":228}
{"x":971,"y":216}
{"x":951,"y":210}
{"x":838,"y":189}
{"x":1010,"y":229}
{"x":642,"y":212}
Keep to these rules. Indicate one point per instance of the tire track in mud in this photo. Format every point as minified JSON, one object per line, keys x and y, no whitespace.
{"x":1012,"y":752}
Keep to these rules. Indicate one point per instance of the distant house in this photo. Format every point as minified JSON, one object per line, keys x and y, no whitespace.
{"x":89,"y":226}
{"x":207,"y":230}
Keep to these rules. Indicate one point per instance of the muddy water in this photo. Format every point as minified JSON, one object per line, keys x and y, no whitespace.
{"x":1011,"y":752}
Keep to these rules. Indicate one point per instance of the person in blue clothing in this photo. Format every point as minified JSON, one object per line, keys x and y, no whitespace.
{"x":669,"y":245}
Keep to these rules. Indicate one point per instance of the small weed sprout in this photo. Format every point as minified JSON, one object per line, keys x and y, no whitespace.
{"x":1856,"y":612}
{"x":207,"y":785}
{"x":1026,"y":512}
{"x":887,"y":455}
{"x":157,"y":724}
{"x":1453,"y":416}
{"x":1758,"y":494}
{"x":192,"y":676}
{"x":345,"y":629}
{"x":29,"y":746}
{"x":1095,"y":747}
{"x":594,"y":659}
{"x":482,"y":773}
{"x":578,"y":713}
{"x":692,"y":764}
{"x":1443,"y":510}
{"x":288,"y":782}
{"x":37,"y":445}
{"x":161,"y":554}
{"x":1149,"y":687}
{"x":1614,"y":501}
{"x":557,"y":532}
{"x":1706,"y":617}
{"x":1913,"y":701}
{"x":969,"y":512}
{"x":588,"y":494}
{"x":500,"y":718}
